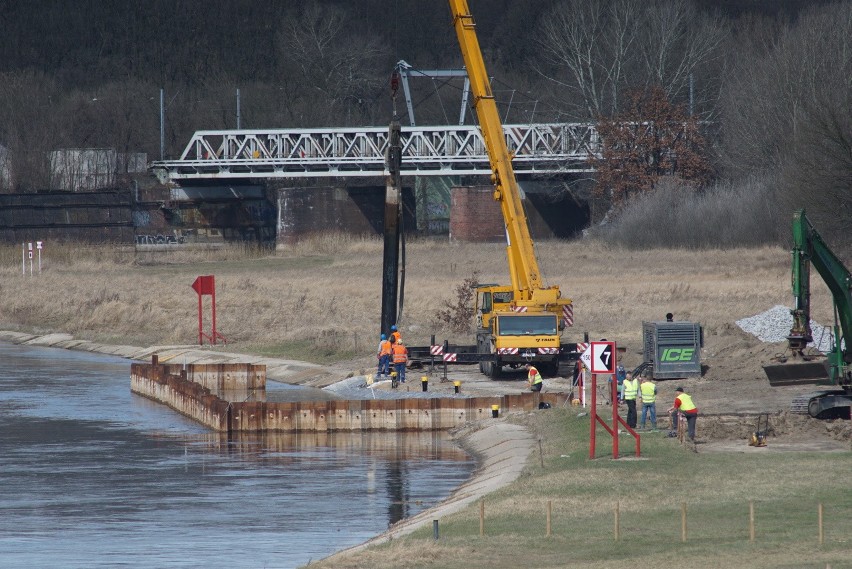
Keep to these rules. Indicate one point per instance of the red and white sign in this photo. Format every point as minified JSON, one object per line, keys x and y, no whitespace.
{"x":436,"y":350}
{"x":507,"y":351}
{"x":568,"y":314}
{"x":519,"y":309}
{"x":548,"y":351}
{"x":450,"y":357}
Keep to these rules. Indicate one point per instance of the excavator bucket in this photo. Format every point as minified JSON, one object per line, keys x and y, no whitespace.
{"x":796,"y":373}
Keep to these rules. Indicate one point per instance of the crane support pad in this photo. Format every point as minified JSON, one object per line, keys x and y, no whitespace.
{"x":796,"y":373}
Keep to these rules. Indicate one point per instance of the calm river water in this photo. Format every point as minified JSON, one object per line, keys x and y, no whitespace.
{"x":93,"y":476}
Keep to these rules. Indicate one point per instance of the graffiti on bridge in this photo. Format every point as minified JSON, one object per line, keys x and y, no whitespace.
{"x":158,"y":240}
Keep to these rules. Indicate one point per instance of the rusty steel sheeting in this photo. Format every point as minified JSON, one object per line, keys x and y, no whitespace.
{"x":199,"y":403}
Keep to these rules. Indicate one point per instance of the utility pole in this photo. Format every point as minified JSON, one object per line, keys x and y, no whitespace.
{"x":162,"y":124}
{"x":238,"y":109}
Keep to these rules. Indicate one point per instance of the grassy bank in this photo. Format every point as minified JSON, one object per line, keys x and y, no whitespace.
{"x":716,"y":487}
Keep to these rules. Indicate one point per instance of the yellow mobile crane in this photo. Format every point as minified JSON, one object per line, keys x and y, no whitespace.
{"x":522,"y":322}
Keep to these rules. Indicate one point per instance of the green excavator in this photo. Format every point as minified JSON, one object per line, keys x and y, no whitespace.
{"x":835,"y":367}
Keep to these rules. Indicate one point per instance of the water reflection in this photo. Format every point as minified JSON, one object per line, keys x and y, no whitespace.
{"x":93,"y":476}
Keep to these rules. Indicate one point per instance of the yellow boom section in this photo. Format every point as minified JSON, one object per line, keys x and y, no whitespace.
{"x":523,"y":266}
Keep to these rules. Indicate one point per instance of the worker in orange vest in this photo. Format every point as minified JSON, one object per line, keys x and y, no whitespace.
{"x":395,"y":335}
{"x":384,"y":355}
{"x":400,"y":358}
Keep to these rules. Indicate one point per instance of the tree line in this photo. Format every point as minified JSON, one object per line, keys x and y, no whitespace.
{"x":767,"y":83}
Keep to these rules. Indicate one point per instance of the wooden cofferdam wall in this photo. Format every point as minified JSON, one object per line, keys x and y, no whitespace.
{"x":171,"y":386}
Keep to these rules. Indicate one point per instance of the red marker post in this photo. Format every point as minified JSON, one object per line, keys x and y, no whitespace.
{"x":601,"y":357}
{"x":206,"y":285}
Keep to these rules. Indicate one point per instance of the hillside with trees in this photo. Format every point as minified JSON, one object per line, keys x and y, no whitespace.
{"x":766,"y":86}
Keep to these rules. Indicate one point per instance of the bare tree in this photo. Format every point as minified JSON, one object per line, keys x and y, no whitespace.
{"x":338,"y":72}
{"x":675,"y":43}
{"x":30,"y":125}
{"x":595,"y":50}
{"x":589,"y":46}
{"x":789,"y":111}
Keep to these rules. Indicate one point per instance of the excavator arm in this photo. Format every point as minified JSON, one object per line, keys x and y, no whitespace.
{"x":810,"y":250}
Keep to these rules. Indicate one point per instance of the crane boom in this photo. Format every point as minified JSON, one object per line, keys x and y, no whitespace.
{"x":522,"y":322}
{"x":523,"y":266}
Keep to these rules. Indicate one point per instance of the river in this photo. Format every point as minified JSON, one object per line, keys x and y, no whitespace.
{"x":94,"y":476}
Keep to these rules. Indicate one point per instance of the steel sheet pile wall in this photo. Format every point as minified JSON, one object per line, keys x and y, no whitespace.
{"x":224,"y":378}
{"x":186,"y":397}
{"x":194,"y":400}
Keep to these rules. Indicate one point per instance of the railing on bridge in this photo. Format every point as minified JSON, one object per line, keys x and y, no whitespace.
{"x":357,"y":152}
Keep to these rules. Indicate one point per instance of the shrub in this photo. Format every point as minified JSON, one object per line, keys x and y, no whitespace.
{"x":724,"y":215}
{"x":458,"y":313}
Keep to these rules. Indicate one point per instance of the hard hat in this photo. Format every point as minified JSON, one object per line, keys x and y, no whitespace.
{"x":384,"y":337}
{"x":393,"y":328}
{"x":679,"y":389}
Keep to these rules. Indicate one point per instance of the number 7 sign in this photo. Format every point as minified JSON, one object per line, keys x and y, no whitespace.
{"x":603,"y":357}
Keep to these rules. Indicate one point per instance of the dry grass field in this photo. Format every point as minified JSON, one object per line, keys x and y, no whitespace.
{"x":320,"y":300}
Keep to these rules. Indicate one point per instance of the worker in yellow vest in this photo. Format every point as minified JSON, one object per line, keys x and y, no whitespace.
{"x":631,"y":391}
{"x":534,"y":378}
{"x":683,"y":405}
{"x":400,"y":359}
{"x":648,"y":390}
{"x":384,"y":355}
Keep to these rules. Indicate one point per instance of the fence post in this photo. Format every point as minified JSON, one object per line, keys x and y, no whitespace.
{"x":481,"y":518}
{"x":549,"y":510}
{"x":819,"y":524}
{"x":683,"y":522}
{"x":751,"y":521}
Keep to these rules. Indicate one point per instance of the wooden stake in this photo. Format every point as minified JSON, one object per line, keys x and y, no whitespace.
{"x":541,"y":453}
{"x":683,"y":522}
{"x":751,"y":520}
{"x":819,"y":523}
{"x":481,"y":518}
{"x":549,"y":511}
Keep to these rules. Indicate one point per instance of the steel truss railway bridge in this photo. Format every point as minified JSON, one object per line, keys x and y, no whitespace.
{"x":555,"y":148}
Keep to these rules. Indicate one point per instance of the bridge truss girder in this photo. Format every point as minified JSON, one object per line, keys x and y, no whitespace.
{"x":360,"y":152}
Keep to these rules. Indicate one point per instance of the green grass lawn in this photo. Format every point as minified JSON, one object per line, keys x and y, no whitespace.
{"x":649,"y":493}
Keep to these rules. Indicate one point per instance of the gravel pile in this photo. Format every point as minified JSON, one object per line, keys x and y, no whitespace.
{"x":774,"y":325}
{"x":356,"y":388}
